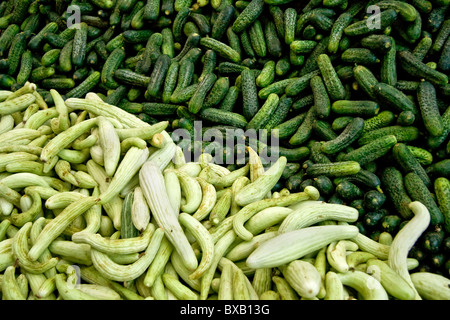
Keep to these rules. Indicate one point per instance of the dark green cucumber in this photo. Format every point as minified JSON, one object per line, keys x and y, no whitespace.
{"x":283,"y":66}
{"x":332,"y":82}
{"x":185,"y":94}
{"x":423,"y":47}
{"x":250,"y":103}
{"x":362,"y":56}
{"x":408,"y":163}
{"x":159,"y":109}
{"x":79,"y":45}
{"x":348,"y":190}
{"x":280,"y":114}
{"x":310,"y":64}
{"x":110,"y":66}
{"x":378,"y":42}
{"x":366,"y":27}
{"x":322,"y":129}
{"x":416,"y":68}
{"x":442,"y":192}
{"x":261,"y":118}
{"x":130,"y":77}
{"x":158,"y":76}
{"x":229,"y":101}
{"x":217,"y":93}
{"x":351,"y":132}
{"x":337,"y":31}
{"x":190,"y":43}
{"x":303,"y":132}
{"x":364,"y":178}
{"x":340,"y":123}
{"x":395,"y":98}
{"x":303,"y":102}
{"x":278,"y":18}
{"x":289,"y":127}
{"x":171,"y":81}
{"x":297,"y":85}
{"x":374,"y":200}
{"x":273,"y":42}
{"x":221,"y":49}
{"x":388,"y":71}
{"x":372,"y":150}
{"x":40,"y":73}
{"x":405,"y":10}
{"x":222,"y":22}
{"x":406,"y":118}
{"x":152,"y":10}
{"x":185,"y":74}
{"x":178,"y":23}
{"x":196,"y":101}
{"x":7,"y":37}
{"x":403,"y":134}
{"x":202,"y":22}
{"x":58,"y":83}
{"x":366,"y":80}
{"x":440,"y":168}
{"x":290,"y":20}
{"x":257,"y":39}
{"x":361,"y":108}
{"x":334,"y":169}
{"x":249,"y":15}
{"x":393,"y":185}
{"x":26,"y":65}
{"x":17,"y":48}
{"x":267,"y":75}
{"x":382,"y":119}
{"x":50,"y":57}
{"x":418,"y":191}
{"x":246,"y":44}
{"x":322,"y":104}
{"x":85,"y":86}
{"x":429,"y":110}
{"x":223,"y":117}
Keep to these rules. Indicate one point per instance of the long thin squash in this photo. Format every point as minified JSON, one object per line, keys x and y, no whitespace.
{"x":151,"y":181}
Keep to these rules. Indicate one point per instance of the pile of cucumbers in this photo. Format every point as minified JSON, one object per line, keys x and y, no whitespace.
{"x":355,"y":92}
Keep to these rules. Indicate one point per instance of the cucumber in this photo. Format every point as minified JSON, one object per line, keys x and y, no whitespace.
{"x":250,"y":103}
{"x":366,"y":80}
{"x":178,"y":23}
{"x":246,"y":44}
{"x":442,"y":192}
{"x":378,"y":42}
{"x":17,"y":48}
{"x":190,"y":43}
{"x":196,"y":101}
{"x":85,"y":86}
{"x":351,"y":132}
{"x":223,"y":117}
{"x":158,"y":77}
{"x":249,"y":15}
{"x":297,"y":85}
{"x":424,"y":157}
{"x":277,"y":15}
{"x":322,"y":104}
{"x":26,"y":65}
{"x":7,"y":37}
{"x":40,"y":73}
{"x":394,"y":187}
{"x":111,"y":64}
{"x":303,"y":102}
{"x":389,"y":95}
{"x":50,"y":57}
{"x":79,"y":45}
{"x":303,"y":132}
{"x":152,"y":10}
{"x":257,"y":39}
{"x":290,"y":19}
{"x":217,"y":93}
{"x":234,"y":40}
{"x":229,"y":101}
{"x":289,"y":127}
{"x":348,"y":190}
{"x":337,"y":31}
{"x":273,"y":42}
{"x":444,"y":59}
{"x":372,"y":150}
{"x":221,"y":48}
{"x":130,"y":77}
{"x":388,"y":71}
{"x":334,"y":169}
{"x":356,"y":108}
{"x":261,"y":118}
{"x":332,"y":82}
{"x":267,"y":75}
{"x":361,"y":56}
{"x":323,"y":130}
{"x":408,"y":163}
{"x":340,"y":123}
{"x":403,"y":134}
{"x":58,"y":83}
{"x":405,"y":10}
{"x":429,"y":110}
{"x":159,"y":109}
{"x":222,"y":22}
{"x":363,"y":27}
{"x":416,"y":68}
{"x":383,"y":119}
{"x":202,"y":22}
{"x":418,"y":191}
{"x":280,"y":114}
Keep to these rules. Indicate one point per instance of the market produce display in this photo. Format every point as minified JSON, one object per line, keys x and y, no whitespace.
{"x":331,"y":181}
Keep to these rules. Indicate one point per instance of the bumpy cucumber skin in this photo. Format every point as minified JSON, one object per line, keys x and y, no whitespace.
{"x":248,"y":15}
{"x":427,"y":100}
